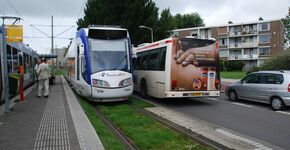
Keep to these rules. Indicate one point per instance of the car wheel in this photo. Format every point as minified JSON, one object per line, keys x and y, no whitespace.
{"x":233,"y":96}
{"x":144,"y":89}
{"x":277,"y":103}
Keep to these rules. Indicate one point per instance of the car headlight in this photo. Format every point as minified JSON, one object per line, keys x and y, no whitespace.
{"x":100,"y":83}
{"x":125,"y":82}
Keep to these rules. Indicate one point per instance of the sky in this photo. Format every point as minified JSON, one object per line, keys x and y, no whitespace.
{"x":37,"y":14}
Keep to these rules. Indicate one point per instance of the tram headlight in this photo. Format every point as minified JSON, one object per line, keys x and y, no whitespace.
{"x":125,"y":82}
{"x":100,"y":83}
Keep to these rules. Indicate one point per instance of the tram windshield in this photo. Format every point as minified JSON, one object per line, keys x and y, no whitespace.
{"x":108,"y":54}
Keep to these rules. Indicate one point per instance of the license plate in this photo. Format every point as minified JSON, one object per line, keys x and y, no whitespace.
{"x":196,"y":94}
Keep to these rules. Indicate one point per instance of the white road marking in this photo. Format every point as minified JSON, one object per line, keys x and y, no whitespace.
{"x":214,"y":99}
{"x":258,"y":146}
{"x":283,"y":112}
{"x":240,"y":104}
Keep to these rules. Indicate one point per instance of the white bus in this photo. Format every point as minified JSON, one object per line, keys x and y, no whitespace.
{"x":177,"y":67}
{"x":98,"y":63}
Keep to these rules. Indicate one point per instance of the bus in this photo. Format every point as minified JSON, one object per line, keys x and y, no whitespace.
{"x":99,"y":63}
{"x":177,"y":67}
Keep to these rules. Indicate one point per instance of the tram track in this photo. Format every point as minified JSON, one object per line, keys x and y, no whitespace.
{"x":177,"y":128}
{"x":129,"y":145}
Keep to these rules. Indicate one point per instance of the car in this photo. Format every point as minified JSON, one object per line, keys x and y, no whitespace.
{"x":270,"y":87}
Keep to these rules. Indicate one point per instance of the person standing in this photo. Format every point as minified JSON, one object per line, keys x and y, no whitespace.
{"x":43,"y":78}
{"x":35,"y":69}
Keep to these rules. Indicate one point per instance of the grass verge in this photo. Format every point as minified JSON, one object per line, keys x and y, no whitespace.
{"x":108,"y":139}
{"x":233,"y":74}
{"x":59,"y":72}
{"x":145,"y":132}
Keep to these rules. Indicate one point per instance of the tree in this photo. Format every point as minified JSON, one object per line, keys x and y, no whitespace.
{"x":234,"y":65}
{"x":280,"y":62}
{"x":188,"y":20}
{"x":164,"y":25}
{"x":128,"y":14}
{"x":286,"y":22}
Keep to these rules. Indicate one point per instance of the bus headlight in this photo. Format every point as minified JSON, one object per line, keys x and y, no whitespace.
{"x":100,"y":83}
{"x":125,"y":82}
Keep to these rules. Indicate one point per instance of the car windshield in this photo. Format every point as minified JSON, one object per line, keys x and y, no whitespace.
{"x":108,"y":54}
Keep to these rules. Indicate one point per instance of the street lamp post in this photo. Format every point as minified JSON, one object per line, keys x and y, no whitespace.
{"x":150,"y":30}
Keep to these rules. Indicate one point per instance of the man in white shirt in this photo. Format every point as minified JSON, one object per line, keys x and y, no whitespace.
{"x":43,"y":78}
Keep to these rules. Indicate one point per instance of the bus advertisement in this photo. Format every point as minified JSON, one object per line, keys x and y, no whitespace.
{"x":178,"y":67}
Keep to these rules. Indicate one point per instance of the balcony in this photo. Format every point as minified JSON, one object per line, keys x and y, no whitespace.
{"x":250,"y":44}
{"x":235,"y":45}
{"x":236,"y":33}
{"x":250,"y":56}
{"x":235,"y":57}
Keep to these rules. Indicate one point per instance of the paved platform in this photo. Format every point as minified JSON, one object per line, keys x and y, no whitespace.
{"x":56,"y":122}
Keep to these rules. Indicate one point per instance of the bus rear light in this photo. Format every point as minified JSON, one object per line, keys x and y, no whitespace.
{"x":288,"y":87}
{"x":174,"y":84}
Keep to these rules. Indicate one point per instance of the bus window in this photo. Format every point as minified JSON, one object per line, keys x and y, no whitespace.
{"x":153,"y":60}
{"x":144,"y":61}
{"x":138,"y":61}
{"x":162,"y":60}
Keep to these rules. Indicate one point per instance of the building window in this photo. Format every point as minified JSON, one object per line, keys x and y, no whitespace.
{"x":265,"y":51}
{"x":223,"y":52}
{"x":264,"y":27}
{"x":264,"y":38}
{"x":222,"y":30}
{"x":223,"y":42}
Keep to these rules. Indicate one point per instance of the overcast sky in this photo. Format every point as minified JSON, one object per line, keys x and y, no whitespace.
{"x":66,"y":12}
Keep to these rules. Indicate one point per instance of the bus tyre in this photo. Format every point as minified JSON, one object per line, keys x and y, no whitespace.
{"x":143,"y":89}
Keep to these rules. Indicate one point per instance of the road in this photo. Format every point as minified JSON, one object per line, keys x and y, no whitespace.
{"x":248,"y":118}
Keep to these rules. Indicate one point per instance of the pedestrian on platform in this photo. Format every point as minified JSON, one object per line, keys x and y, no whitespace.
{"x":35,"y":69}
{"x":43,"y":78}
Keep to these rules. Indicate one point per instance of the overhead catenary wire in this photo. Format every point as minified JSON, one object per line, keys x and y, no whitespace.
{"x":36,"y":29}
{"x":25,"y":20}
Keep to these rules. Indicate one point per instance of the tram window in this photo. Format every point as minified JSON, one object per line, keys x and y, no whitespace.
{"x":27,"y":64}
{"x":9,"y":59}
{"x":20,"y":60}
{"x":15,"y":60}
{"x":84,"y":68}
{"x":78,"y":63}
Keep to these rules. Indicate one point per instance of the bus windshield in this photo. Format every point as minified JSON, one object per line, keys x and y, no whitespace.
{"x":108,"y":54}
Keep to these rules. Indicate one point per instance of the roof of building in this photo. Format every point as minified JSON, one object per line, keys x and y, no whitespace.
{"x":234,"y":24}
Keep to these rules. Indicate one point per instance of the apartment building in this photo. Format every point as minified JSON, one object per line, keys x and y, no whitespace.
{"x":251,"y":42}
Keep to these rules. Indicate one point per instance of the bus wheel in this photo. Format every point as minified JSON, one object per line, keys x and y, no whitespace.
{"x":144,"y":89}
